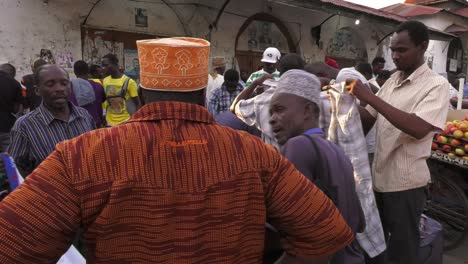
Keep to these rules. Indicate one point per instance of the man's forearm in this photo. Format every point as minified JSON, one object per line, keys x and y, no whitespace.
{"x":367,"y":119}
{"x":244,"y":95}
{"x":454,"y":103}
{"x":409,"y":123}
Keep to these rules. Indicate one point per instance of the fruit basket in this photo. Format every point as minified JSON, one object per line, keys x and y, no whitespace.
{"x":451,"y":146}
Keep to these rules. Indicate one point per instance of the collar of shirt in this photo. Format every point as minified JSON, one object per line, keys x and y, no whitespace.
{"x":262,"y":71}
{"x":413,"y":76}
{"x":239,"y":87}
{"x":172,"y":110}
{"x":48,"y":117}
{"x":312,"y":131}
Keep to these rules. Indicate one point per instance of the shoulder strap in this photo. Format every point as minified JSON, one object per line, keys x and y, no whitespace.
{"x":123,"y":92}
{"x":322,"y":172}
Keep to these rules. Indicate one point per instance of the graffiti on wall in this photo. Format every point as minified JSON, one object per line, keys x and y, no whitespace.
{"x":95,"y":49}
{"x":64,"y":59}
{"x":260,"y":35}
{"x":47,"y":56}
{"x":346,"y":44}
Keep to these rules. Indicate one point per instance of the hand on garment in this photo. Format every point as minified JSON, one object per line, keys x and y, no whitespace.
{"x":358,"y":89}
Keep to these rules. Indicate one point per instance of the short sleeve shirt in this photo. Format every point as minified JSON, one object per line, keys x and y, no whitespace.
{"x":400,"y":160}
{"x":259,"y":74}
{"x":116,"y":110}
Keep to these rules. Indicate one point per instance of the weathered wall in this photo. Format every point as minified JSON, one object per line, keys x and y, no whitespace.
{"x":436,"y":54}
{"x":119,"y":15}
{"x":28,"y":26}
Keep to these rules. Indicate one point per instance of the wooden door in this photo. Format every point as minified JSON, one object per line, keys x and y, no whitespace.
{"x":249,"y":61}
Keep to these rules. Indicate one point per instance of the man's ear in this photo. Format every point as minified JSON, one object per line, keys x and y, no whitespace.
{"x":36,"y":90}
{"x":308,"y":111}
{"x":424,"y":45}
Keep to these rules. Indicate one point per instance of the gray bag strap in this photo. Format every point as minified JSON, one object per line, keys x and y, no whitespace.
{"x":322,"y":172}
{"x":123,"y":92}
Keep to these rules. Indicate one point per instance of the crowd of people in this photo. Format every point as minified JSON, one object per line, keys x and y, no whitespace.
{"x":227,"y":168}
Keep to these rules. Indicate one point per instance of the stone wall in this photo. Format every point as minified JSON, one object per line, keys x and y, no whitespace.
{"x":29,"y":26}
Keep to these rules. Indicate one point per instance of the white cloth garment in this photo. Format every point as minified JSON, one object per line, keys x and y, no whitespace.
{"x":346,"y":131}
{"x":352,"y":73}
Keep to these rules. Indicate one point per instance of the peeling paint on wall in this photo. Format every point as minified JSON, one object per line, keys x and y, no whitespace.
{"x":95,"y":49}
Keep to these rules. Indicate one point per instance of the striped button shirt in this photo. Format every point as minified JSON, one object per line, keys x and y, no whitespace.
{"x":168,"y":186}
{"x":400,"y":160}
{"x":34,"y":136}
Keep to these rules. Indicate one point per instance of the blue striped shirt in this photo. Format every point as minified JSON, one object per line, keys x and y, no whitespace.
{"x":34,"y":136}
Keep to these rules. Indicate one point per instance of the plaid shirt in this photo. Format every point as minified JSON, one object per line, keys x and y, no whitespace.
{"x":346,"y":131}
{"x":221,"y":99}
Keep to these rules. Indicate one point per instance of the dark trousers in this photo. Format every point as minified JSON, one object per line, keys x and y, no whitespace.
{"x":352,"y":254}
{"x":400,"y":213}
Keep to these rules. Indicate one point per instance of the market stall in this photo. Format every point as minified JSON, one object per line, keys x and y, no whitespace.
{"x":448,"y":164}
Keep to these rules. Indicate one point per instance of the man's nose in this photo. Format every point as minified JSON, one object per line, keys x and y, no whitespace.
{"x":273,"y":119}
{"x":60,"y":88}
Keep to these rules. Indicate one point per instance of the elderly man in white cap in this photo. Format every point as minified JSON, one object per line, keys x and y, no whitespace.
{"x":294,"y":119}
{"x":251,"y":106}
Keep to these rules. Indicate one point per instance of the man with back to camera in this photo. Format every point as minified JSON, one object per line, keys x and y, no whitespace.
{"x":192,"y":191}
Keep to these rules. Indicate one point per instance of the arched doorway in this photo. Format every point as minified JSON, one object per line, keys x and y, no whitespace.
{"x":259,"y":32}
{"x":455,"y":57}
{"x":347,"y":48}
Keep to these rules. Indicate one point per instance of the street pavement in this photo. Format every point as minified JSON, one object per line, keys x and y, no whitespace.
{"x":458,"y":255}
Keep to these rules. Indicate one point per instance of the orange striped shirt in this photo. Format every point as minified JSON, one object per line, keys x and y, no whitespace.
{"x":169,"y":186}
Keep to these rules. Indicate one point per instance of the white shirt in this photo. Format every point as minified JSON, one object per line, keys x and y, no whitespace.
{"x":213,"y":84}
{"x":255,"y":112}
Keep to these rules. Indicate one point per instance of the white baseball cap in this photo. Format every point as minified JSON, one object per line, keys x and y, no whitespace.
{"x":271,"y":55}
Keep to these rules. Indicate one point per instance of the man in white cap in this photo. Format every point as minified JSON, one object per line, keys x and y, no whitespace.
{"x":251,"y":106}
{"x":271,"y":56}
{"x":294,"y":119}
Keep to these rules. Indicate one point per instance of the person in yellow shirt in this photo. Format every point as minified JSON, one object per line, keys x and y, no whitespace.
{"x":121,"y":92}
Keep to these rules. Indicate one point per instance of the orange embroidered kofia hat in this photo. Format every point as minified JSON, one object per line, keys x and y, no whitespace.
{"x":174,"y":64}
